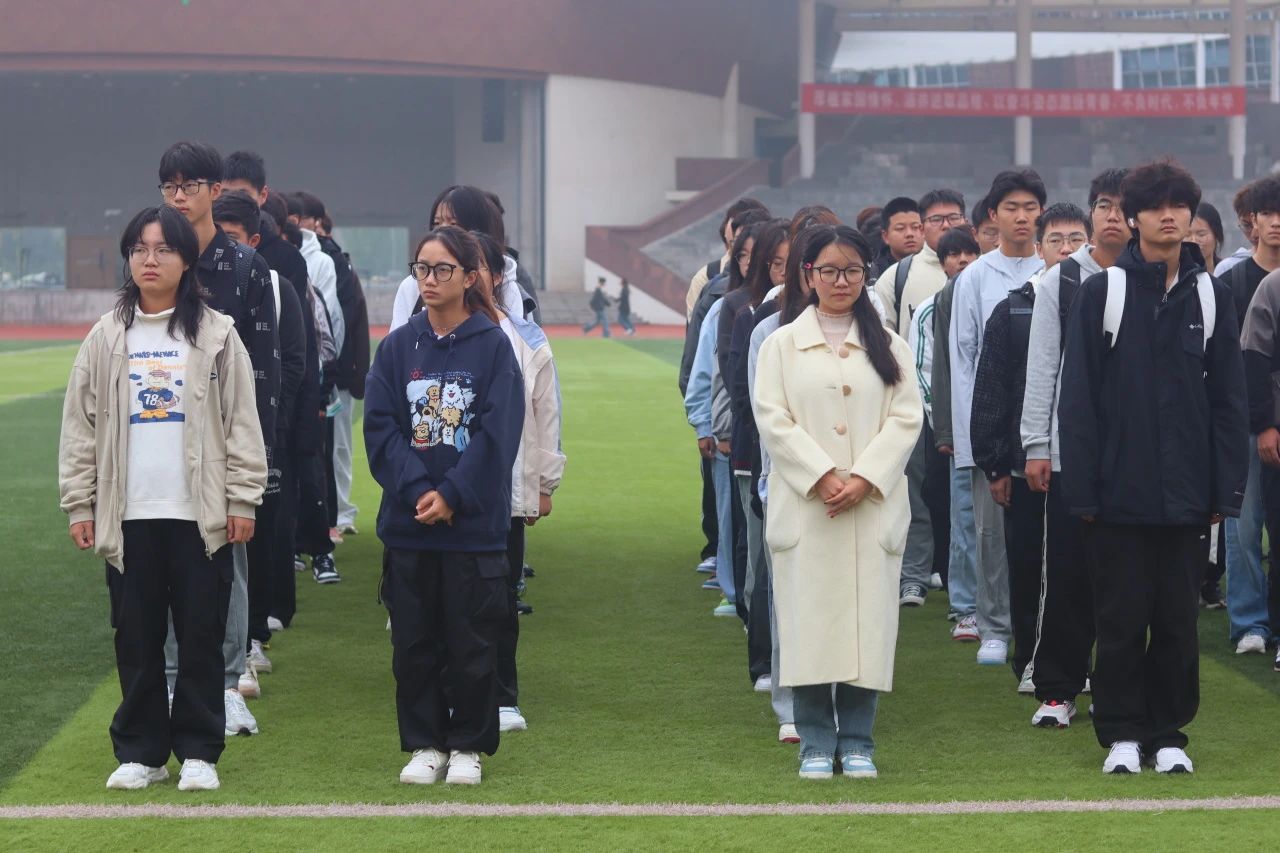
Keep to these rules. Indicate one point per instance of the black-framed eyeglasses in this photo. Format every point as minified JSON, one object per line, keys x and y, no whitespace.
{"x":945,"y":219}
{"x":442,"y":271}
{"x":831,"y":275}
{"x":169,"y":189}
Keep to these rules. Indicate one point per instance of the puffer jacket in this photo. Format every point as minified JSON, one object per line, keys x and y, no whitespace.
{"x":540,"y":460}
{"x":224,"y":452}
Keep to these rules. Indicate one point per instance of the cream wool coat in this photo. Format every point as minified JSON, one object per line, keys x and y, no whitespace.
{"x":835,"y":581}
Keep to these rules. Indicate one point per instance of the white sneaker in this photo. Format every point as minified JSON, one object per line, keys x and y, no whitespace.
{"x":258,"y":658}
{"x":993,"y":653}
{"x":966,"y":629}
{"x":298,"y":565}
{"x":198,"y":775}
{"x":131,"y":777}
{"x":1026,"y":685}
{"x":248,"y":686}
{"x":1125,"y":757}
{"x":1251,"y":643}
{"x":764,"y":684}
{"x":1173,"y":760}
{"x":464,"y":768}
{"x":238,"y":719}
{"x":1054,"y":713}
{"x":511,"y":720}
{"x":425,"y":768}
{"x":274,"y":624}
{"x":935,"y":581}
{"x":1088,"y":687}
{"x":787,"y":733}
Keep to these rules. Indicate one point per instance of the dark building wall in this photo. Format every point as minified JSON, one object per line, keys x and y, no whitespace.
{"x":682,"y":44}
{"x":78,"y":147}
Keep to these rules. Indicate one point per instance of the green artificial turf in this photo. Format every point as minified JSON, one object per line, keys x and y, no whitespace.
{"x":634,"y":692}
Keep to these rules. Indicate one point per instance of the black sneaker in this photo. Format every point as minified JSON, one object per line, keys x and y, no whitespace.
{"x":324,"y":570}
{"x":912,"y":595}
{"x":523,"y":608}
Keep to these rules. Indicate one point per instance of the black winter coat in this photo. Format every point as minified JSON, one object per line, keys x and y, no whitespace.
{"x":1155,"y":429}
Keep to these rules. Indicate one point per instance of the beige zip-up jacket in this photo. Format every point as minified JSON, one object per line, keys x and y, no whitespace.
{"x":539,"y":461}
{"x":225,"y":458}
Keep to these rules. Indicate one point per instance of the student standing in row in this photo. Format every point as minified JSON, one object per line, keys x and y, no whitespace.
{"x":1015,"y":201}
{"x":838,"y":506}
{"x":174,"y":379}
{"x":1152,"y":381}
{"x":443,"y":419}
{"x":1064,"y":639}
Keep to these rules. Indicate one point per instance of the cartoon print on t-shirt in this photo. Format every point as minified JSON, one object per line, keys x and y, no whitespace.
{"x":440,"y":410}
{"x":159,"y":403}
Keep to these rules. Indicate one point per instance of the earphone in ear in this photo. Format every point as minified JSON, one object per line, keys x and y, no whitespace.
{"x":1133,"y":224}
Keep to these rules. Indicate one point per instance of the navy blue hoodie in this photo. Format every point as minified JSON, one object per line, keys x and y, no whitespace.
{"x":444,"y":414}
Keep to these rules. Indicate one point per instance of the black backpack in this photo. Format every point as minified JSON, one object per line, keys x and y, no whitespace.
{"x":899,"y":285}
{"x":1069,"y":286}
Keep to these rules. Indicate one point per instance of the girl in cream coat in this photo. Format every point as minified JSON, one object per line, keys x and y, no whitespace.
{"x":839,"y":415}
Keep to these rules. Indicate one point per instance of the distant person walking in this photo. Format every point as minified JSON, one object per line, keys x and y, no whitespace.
{"x":600,"y":302}
{"x":624,"y":308}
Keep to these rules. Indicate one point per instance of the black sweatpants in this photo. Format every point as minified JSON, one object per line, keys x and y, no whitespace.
{"x":1271,"y":504}
{"x":739,"y":525}
{"x":508,"y":684}
{"x":1024,"y":542}
{"x":166,"y":570}
{"x":261,"y":563}
{"x":1146,"y":579}
{"x":710,"y":528}
{"x":937,"y":496}
{"x":1064,"y":641}
{"x":330,"y":479}
{"x":283,"y":590}
{"x":312,"y":535}
{"x":447,"y":613}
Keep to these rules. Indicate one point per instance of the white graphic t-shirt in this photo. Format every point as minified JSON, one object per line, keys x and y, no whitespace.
{"x":156,"y":479}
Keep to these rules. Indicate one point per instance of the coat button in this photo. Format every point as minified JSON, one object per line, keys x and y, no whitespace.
{"x":844,"y":352}
{"x":846,"y":390}
{"x":841,"y":429}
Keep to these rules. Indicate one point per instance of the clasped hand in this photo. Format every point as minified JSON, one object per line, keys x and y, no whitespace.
{"x":432,"y":508}
{"x":841,"y":495}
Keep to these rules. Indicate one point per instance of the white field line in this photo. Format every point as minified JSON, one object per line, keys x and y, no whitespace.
{"x":438,"y":810}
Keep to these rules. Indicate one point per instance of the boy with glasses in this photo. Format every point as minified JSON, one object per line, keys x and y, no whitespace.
{"x":236,"y":281}
{"x":902,"y":288}
{"x":1064,"y":637}
{"x":996,"y":429}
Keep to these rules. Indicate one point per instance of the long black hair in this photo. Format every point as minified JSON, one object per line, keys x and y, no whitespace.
{"x":181,"y":237}
{"x":472,"y":210}
{"x":795,"y":295}
{"x":1213,"y":219}
{"x":769,"y":238}
{"x":494,"y":258}
{"x":875,"y":338}
{"x":736,"y":278}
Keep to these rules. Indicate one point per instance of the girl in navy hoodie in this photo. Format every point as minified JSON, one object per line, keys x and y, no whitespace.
{"x":444,"y":410}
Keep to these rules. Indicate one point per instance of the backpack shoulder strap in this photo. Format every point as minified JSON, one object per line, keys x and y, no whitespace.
{"x":900,"y":284}
{"x":1208,"y":304}
{"x":1117,"y":290}
{"x":713,"y":269}
{"x":1021,"y":305}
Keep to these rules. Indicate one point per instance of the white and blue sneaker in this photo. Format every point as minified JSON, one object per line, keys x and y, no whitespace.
{"x":993,"y":653}
{"x":1125,"y":757}
{"x":711,"y":583}
{"x":511,"y":720}
{"x":855,"y":766}
{"x":1171,"y":759}
{"x":707,"y":566}
{"x":817,"y":767}
{"x":725,"y":608}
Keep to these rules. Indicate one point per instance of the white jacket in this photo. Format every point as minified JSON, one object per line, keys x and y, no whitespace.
{"x":324,"y":278}
{"x":540,"y":460}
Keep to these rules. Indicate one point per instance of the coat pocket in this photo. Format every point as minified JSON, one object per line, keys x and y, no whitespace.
{"x":894,"y":521}
{"x":782,"y":525}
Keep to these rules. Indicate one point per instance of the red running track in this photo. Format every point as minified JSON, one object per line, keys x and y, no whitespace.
{"x":78,"y":331}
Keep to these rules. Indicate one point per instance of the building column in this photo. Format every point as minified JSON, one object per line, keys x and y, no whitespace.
{"x":1022,"y":80}
{"x":1238,"y":47}
{"x":1200,"y":62}
{"x":729,"y":146}
{"x":807,"y":122}
{"x":1275,"y":61}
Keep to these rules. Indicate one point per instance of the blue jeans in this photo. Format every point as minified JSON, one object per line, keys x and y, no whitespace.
{"x":601,"y":320}
{"x":962,"y":565}
{"x":1246,"y":576}
{"x":722,"y":477}
{"x":839,"y":730}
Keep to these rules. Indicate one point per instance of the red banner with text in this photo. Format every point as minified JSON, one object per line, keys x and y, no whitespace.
{"x":838,"y":99}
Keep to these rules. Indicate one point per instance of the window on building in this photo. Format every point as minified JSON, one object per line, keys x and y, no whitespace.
{"x":1257,"y":64}
{"x":379,"y":254}
{"x":33,"y":257}
{"x":1167,"y":66}
{"x":942,"y":76}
